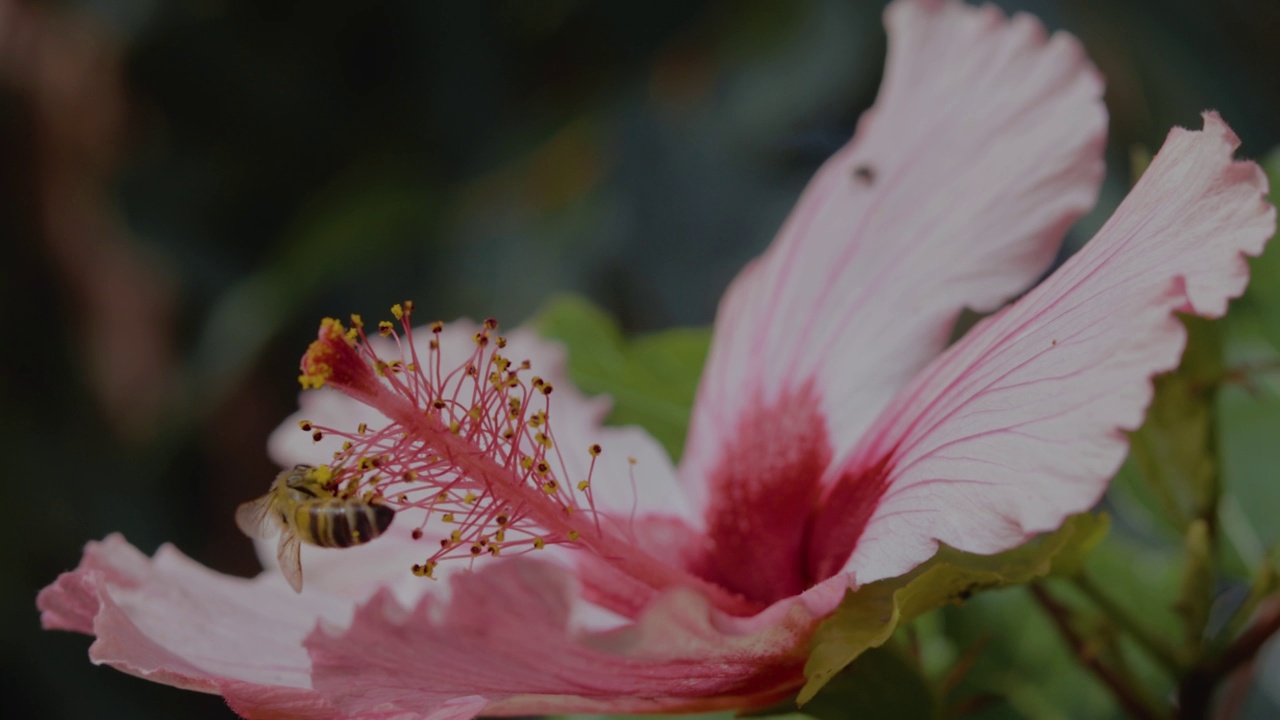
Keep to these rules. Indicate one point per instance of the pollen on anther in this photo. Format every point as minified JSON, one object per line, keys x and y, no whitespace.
{"x":305,"y":425}
{"x":595,"y":450}
{"x":573,"y":535}
{"x":539,"y":543}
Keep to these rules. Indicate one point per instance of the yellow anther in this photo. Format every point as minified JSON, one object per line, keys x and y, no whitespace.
{"x":594,"y":450}
{"x":539,"y":543}
{"x":447,"y":517}
{"x":454,"y":427}
{"x":470,"y":498}
{"x":456,"y":536}
{"x":385,"y":328}
{"x":305,"y":425}
{"x":583,"y":485}
{"x":398,"y":311}
{"x":357,"y":321}
{"x":573,"y":535}
{"x":362,"y":428}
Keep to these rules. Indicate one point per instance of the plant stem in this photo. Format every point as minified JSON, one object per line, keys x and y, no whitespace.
{"x":1155,"y":646}
{"x":1195,"y":692}
{"x":1131,"y":697}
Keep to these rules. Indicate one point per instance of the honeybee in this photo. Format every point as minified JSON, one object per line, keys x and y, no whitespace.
{"x":302,"y":510}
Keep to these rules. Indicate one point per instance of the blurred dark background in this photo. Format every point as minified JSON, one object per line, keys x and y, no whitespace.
{"x":189,"y":186}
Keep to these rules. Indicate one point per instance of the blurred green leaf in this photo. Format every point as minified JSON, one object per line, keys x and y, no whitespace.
{"x":1263,"y":296}
{"x":652,"y":378}
{"x":1175,"y":450}
{"x":1028,"y":665}
{"x":880,"y":683}
{"x":1196,"y":595}
{"x":339,"y":230}
{"x":869,"y":615}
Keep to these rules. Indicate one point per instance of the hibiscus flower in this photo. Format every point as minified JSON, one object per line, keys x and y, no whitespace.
{"x":836,"y":440}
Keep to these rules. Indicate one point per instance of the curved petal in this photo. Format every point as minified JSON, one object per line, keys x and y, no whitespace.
{"x":984,"y":145}
{"x":1023,"y":421}
{"x":509,"y":636}
{"x":173,"y":621}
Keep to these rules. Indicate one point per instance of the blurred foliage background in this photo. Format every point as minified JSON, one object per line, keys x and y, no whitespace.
{"x":188,"y":186}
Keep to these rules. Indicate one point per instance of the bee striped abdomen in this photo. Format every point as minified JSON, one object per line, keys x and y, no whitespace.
{"x":341,"y":523}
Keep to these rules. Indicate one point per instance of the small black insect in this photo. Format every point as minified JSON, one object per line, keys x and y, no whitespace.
{"x":864,"y":174}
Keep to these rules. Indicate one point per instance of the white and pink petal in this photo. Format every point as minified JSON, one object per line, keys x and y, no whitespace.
{"x":508,"y":636}
{"x":984,"y":145}
{"x":1024,"y":421}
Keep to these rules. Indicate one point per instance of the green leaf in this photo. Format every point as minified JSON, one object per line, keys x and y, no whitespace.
{"x":868,"y":616}
{"x":1175,"y":450}
{"x":1263,"y":296}
{"x":652,"y":378}
{"x":881,"y":683}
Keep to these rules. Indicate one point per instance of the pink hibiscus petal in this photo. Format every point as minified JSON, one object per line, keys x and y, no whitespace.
{"x":509,"y":636}
{"x":1023,"y":421}
{"x":173,"y":621}
{"x":984,"y":145}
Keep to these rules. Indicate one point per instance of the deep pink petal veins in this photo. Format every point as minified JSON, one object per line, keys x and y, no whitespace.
{"x":1023,"y":421}
{"x":984,"y":145}
{"x":507,"y":635}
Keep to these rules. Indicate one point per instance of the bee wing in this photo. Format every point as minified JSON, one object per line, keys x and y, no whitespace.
{"x":256,"y":520}
{"x":289,"y":555}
